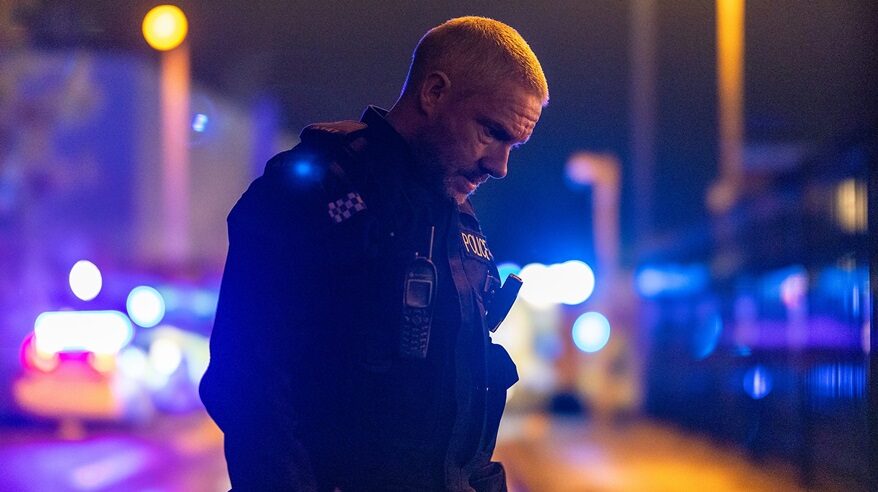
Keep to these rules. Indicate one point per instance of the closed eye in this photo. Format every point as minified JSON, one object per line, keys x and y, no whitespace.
{"x":500,"y":134}
{"x":496,"y":131}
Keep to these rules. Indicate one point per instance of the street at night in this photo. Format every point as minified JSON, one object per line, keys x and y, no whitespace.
{"x":349,"y":241}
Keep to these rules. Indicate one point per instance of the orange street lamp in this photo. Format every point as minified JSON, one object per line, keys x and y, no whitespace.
{"x":165,"y":27}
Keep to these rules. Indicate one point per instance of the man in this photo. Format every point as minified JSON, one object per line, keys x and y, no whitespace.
{"x":350,"y":350}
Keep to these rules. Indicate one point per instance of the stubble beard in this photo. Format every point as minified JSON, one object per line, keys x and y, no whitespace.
{"x":446,"y":178}
{"x":433,"y":162}
{"x":448,"y":188}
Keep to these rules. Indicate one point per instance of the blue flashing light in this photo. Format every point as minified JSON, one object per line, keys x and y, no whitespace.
{"x":838,"y":381}
{"x":305,"y":172}
{"x":650,"y":282}
{"x":844,"y":288}
{"x":506,"y":268}
{"x":199,"y":122}
{"x":742,"y":351}
{"x":671,"y":280}
{"x":303,"y":169}
{"x":834,"y":280}
{"x":757,"y":382}
{"x":706,"y":337}
{"x":591,"y":332}
{"x":146,"y":306}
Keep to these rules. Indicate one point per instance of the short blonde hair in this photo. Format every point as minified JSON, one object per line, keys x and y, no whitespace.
{"x":484,"y":51}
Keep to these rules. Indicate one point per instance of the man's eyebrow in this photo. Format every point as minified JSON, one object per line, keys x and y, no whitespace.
{"x":500,"y":132}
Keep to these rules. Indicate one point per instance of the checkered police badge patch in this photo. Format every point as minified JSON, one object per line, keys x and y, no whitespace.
{"x":343,"y":208}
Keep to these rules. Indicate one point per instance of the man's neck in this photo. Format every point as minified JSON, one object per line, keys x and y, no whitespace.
{"x":403,"y":119}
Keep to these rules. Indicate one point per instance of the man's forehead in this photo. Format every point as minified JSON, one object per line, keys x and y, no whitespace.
{"x":517,"y":112}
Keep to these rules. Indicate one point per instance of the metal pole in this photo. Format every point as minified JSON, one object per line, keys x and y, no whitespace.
{"x":175,"y":153}
{"x":642,"y":94}
{"x":730,"y":90}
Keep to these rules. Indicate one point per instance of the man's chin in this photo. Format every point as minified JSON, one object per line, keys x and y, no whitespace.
{"x":455,"y":194}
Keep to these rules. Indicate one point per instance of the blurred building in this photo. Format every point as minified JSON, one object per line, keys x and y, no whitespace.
{"x":761,"y":322}
{"x":80,"y":179}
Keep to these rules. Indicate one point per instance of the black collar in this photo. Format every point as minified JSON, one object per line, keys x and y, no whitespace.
{"x":396,"y":149}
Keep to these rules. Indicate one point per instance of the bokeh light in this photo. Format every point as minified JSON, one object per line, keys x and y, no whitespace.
{"x":548,"y":345}
{"x":145,"y":306}
{"x":197,"y":358}
{"x":504,"y":269}
{"x":303,"y":169}
{"x":851,"y":205}
{"x":655,"y":281}
{"x":838,"y":381}
{"x":102,"y":363}
{"x":591,"y":331}
{"x":305,"y":173}
{"x":536,"y":289}
{"x":706,"y":336}
{"x":203,"y":303}
{"x":571,"y":283}
{"x":165,"y":355}
{"x":33,"y":359}
{"x":199,"y":122}
{"x":98,"y":332}
{"x":205,"y":123}
{"x":133,"y":363}
{"x":575,"y":281}
{"x":165,"y":27}
{"x":85,"y":280}
{"x":793,"y":290}
{"x":757,"y":382}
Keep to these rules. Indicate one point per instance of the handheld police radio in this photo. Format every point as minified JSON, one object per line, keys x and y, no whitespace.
{"x":417,"y":308}
{"x":502,"y":302}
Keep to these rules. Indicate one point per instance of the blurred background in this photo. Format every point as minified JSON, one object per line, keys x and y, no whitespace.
{"x":691,"y":220}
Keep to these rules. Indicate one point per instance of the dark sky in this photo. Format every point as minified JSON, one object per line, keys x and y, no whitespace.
{"x":810,"y":76}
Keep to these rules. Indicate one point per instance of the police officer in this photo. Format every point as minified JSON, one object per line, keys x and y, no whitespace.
{"x":350,"y":349}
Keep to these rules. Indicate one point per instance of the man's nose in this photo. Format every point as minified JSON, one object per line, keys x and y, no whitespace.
{"x":496,"y":163}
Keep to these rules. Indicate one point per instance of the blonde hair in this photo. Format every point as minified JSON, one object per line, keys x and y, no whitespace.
{"x":483,"y":52}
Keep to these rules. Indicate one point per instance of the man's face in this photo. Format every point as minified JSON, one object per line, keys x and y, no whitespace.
{"x":471,"y":137}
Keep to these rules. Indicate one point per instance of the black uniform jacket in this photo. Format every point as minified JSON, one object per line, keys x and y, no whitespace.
{"x":306,"y":377}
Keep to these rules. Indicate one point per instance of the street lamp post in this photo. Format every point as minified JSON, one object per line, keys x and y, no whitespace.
{"x":730,"y":88}
{"x":165,"y":28}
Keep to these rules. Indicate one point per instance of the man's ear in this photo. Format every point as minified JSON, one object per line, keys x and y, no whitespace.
{"x":435,"y":90}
